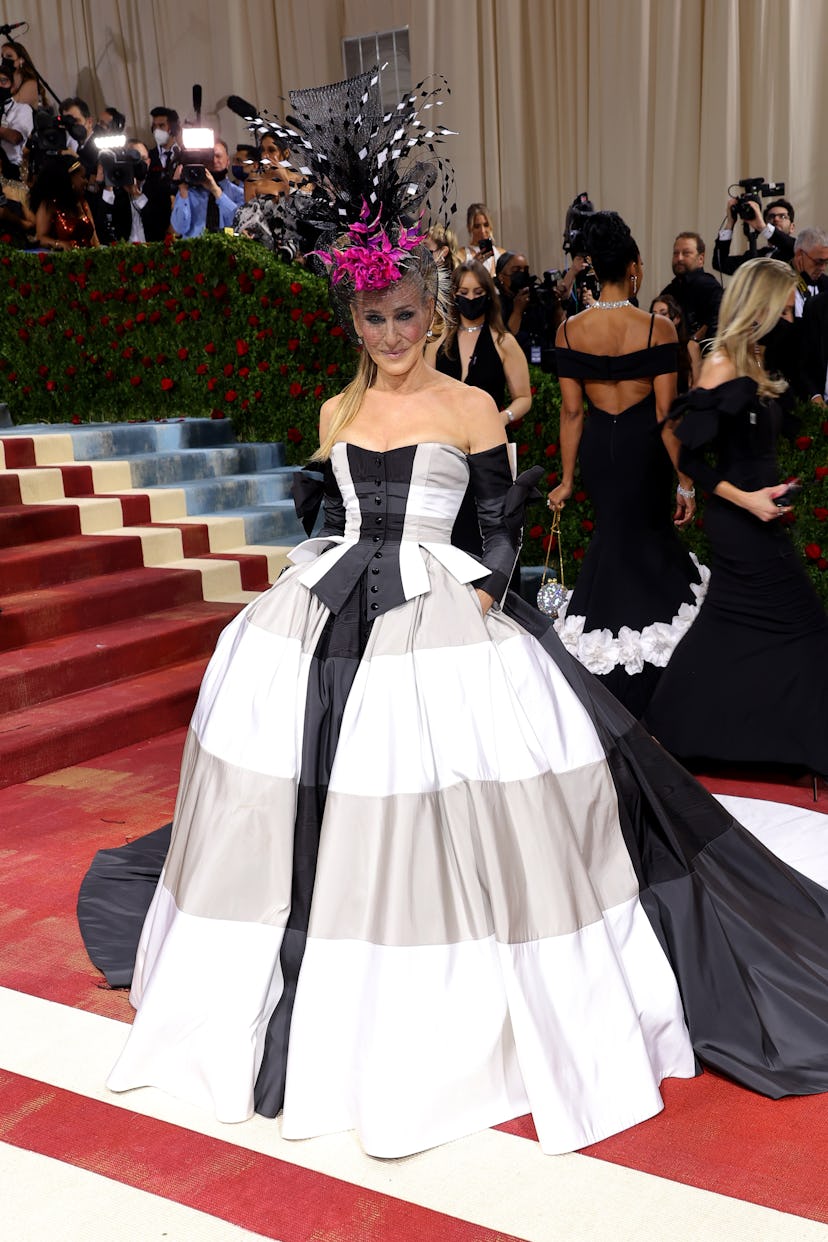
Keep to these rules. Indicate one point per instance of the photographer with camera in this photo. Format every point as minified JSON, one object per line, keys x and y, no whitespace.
{"x":531,"y":308}
{"x":158,"y":184}
{"x":206,"y":200}
{"x":119,"y":208}
{"x":774,"y":226}
{"x":76,"y":117}
{"x":16,"y":121}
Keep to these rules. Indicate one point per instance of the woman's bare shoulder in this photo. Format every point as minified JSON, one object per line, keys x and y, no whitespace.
{"x":716,"y":369}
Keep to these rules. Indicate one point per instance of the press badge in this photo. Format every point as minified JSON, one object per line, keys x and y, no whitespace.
{"x":535,"y":355}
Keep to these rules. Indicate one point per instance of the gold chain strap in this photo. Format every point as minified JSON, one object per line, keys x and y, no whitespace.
{"x":554,"y":537}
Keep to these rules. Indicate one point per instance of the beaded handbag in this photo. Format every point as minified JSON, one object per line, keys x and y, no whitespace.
{"x":552,"y":593}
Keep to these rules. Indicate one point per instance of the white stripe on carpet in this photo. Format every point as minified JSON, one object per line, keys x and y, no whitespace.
{"x":493,"y":1179}
{"x":85,"y":1207}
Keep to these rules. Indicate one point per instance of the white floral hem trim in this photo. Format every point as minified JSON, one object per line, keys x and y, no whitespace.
{"x":601,"y":651}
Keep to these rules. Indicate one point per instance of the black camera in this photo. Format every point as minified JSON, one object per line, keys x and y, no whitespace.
{"x":577,"y":214}
{"x":587,"y":280}
{"x":754,"y":188}
{"x":47,"y":139}
{"x":121,"y":166}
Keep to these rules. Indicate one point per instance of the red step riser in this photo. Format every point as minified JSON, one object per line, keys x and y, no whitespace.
{"x":9,"y":490}
{"x":37,"y":524}
{"x":19,"y":452}
{"x":26,"y":686}
{"x":87,"y":556}
{"x":77,"y":740}
{"x":61,"y":610}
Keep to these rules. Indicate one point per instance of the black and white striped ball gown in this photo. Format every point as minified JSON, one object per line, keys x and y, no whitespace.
{"x":427,"y":875}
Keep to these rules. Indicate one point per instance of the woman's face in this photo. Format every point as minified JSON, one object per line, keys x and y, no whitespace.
{"x":517,"y":263}
{"x":270,"y":150}
{"x":393,"y":323}
{"x":8,"y":53}
{"x":470,"y":286}
{"x":78,"y":180}
{"x":661,"y":308}
{"x":480,"y":229}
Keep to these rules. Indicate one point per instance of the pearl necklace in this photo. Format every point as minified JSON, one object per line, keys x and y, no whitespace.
{"x":463,"y":328}
{"x":610,"y":305}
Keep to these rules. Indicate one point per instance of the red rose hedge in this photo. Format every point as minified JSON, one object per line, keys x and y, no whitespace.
{"x":218,"y":328}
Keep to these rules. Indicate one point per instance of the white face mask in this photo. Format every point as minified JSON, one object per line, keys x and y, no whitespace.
{"x":161,"y":136}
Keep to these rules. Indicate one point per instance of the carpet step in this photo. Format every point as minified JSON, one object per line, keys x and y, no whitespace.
{"x":102,"y":441}
{"x":77,"y":727}
{"x":158,"y":469}
{"x":69,"y":559}
{"x":70,"y":663}
{"x":33,"y":616}
{"x":37,"y":523}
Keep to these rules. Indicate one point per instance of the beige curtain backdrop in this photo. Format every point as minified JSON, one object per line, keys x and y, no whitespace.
{"x":653,"y":106}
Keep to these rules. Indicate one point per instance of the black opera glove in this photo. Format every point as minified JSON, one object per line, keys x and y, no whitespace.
{"x":315,"y":487}
{"x":500,"y":504}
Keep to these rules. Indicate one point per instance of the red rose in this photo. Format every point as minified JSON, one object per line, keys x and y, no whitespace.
{"x":195,"y":314}
{"x":167,"y":384}
{"x":825,"y":429}
{"x":12,"y":308}
{"x":552,"y":477}
{"x":253,"y":321}
{"x":185,"y":254}
{"x":135,"y":380}
{"x":264,"y":365}
{"x":580,"y":496}
{"x":296,"y":314}
{"x":337,"y":331}
{"x":202,"y":368}
{"x":214,"y":413}
{"x":293,"y":344}
{"x":308,"y":319}
{"x":821,"y":515}
{"x":264,"y":301}
{"x":551,"y":450}
{"x":24,"y":336}
{"x":523,"y":449}
{"x":70,"y":371}
{"x":295,"y":287}
{"x":318,"y":390}
{"x":138,"y":269}
{"x":258,"y":394}
{"x":181,"y":316}
{"x":821,"y":472}
{"x":242,"y":348}
{"x":209,"y":348}
{"x":230,"y":395}
{"x":50,"y":385}
{"x":140,"y":317}
{"x":295,"y":435}
{"x":76,"y":419}
{"x":813,"y":551}
{"x":803,"y":442}
{"x":283,"y":368}
{"x":211,"y":383}
{"x":822,"y":563}
{"x":228,"y":369}
{"x":244,"y":372}
{"x":578,"y":554}
{"x":183,"y":353}
{"x":43,"y":370}
{"x":549,"y":543}
{"x":295,"y":389}
{"x":257,"y":273}
{"x":535,"y":532}
{"x":587,"y":524}
{"x":331,"y":368}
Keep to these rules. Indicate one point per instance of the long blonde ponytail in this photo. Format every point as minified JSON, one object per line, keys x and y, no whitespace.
{"x":349,"y":404}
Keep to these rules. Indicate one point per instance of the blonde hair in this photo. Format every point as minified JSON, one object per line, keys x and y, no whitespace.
{"x":348,"y":406}
{"x":752,"y":305}
{"x":443,"y":235}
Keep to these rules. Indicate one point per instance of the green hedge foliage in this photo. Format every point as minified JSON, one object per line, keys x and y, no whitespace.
{"x":216,"y":327}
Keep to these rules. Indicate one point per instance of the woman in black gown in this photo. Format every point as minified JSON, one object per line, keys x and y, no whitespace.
{"x":751,"y":676}
{"x":638,"y":588}
{"x":478,"y":351}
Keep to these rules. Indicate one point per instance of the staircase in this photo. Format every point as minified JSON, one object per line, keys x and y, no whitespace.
{"x":124,"y":551}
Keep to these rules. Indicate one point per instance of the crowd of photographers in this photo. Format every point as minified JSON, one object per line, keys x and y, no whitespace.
{"x":72,"y":180}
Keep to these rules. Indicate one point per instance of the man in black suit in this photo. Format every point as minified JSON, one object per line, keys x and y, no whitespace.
{"x":813,"y":350}
{"x":810,"y":261}
{"x":158,"y":184}
{"x":773,"y":226}
{"x":696,"y":291}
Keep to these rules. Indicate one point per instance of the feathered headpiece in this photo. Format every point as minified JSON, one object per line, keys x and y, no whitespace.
{"x":372,"y":176}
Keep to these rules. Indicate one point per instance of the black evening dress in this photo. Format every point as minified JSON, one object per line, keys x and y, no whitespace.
{"x":486,"y":372}
{"x":749,"y":682}
{"x":638,"y":589}
{"x":426,"y":874}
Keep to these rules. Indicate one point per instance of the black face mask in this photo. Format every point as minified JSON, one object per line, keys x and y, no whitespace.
{"x":780,"y":346}
{"x":5,"y":95}
{"x":472,"y":308}
{"x":219,"y":176}
{"x":239,"y":172}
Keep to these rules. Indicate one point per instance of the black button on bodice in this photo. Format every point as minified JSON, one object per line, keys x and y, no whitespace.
{"x":378,"y":500}
{"x":377,"y":461}
{"x":377,"y":555}
{"x":378,"y":521}
{"x":374,"y":589}
{"x":375,"y":570}
{"x":374,"y":607}
{"x":377,"y":482}
{"x":378,"y":539}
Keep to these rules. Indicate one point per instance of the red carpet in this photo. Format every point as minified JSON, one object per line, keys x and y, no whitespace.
{"x":711,"y":1134}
